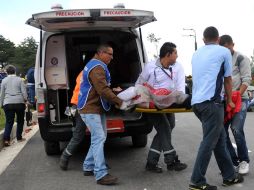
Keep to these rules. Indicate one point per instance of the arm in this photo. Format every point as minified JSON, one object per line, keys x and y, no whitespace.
{"x":74,"y":98}
{"x":245,"y":74}
{"x":228,"y":90}
{"x":98,"y":80}
{"x":2,"y":94}
{"x":23,"y":90}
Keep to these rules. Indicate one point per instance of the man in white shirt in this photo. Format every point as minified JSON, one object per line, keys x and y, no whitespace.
{"x":164,"y":72}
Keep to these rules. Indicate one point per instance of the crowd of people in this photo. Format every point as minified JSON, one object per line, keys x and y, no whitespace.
{"x":229,"y":72}
{"x":212,"y":90}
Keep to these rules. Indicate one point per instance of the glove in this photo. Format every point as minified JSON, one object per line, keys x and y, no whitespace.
{"x":125,"y":105}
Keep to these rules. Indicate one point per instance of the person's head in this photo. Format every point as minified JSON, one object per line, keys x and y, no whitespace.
{"x":104,"y":53}
{"x":210,"y":35}
{"x":168,"y":54}
{"x":227,"y":41}
{"x":11,"y":70}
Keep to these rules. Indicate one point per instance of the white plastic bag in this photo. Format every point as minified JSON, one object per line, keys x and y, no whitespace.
{"x":127,"y":94}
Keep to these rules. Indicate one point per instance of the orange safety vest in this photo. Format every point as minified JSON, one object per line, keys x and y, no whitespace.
{"x":74,"y":98}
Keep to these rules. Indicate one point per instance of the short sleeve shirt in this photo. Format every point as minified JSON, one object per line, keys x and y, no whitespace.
{"x":210,"y":64}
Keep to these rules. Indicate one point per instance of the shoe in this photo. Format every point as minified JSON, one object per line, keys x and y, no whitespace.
{"x":21,"y":140}
{"x":153,"y":168}
{"x":88,"y":173}
{"x":243,"y":167}
{"x":177,"y":165}
{"x":237,"y":179}
{"x":63,"y":163}
{"x":107,"y":180}
{"x":7,"y":143}
{"x":202,"y":187}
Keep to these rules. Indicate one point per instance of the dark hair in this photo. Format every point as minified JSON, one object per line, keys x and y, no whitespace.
{"x":10,"y":69}
{"x":103,"y":47}
{"x":211,"y":33}
{"x":167,"y":47}
{"x":225,"y":39}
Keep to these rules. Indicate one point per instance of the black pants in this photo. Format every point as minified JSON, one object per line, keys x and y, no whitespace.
{"x":10,"y":110}
{"x":163,"y":124}
{"x":77,"y":136}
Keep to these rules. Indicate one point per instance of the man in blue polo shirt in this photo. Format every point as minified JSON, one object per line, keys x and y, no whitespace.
{"x":211,"y":67}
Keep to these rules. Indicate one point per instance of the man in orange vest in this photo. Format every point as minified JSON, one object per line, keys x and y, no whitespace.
{"x":78,"y":132}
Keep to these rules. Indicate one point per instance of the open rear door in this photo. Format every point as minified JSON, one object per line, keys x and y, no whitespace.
{"x":82,"y":19}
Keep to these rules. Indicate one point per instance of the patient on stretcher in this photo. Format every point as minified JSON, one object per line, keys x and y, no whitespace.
{"x":145,"y":96}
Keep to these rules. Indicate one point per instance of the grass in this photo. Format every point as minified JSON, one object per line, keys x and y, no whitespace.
{"x":2,"y":119}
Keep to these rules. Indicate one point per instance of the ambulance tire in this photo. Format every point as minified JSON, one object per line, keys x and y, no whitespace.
{"x":52,"y":148}
{"x":139,"y":141}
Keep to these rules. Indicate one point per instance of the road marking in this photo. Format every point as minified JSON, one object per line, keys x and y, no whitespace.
{"x":7,"y":154}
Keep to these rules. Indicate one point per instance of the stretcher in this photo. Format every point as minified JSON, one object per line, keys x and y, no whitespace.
{"x":168,"y":110}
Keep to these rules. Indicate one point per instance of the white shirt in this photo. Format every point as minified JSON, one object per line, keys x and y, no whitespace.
{"x":157,"y":78}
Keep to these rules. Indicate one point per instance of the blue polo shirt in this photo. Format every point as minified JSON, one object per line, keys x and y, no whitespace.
{"x":210,"y":64}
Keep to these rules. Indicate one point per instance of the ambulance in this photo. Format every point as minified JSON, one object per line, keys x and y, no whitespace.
{"x":68,"y":40}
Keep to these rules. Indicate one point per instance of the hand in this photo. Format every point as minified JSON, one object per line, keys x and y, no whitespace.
{"x":73,"y":109}
{"x":118,"y":89}
{"x":231,"y":105}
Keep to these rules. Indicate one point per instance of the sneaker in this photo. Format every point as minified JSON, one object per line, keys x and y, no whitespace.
{"x":88,"y":173}
{"x":243,"y":167}
{"x":107,"y":180}
{"x":153,"y":168}
{"x":237,"y":179}
{"x":177,"y":165}
{"x":63,"y":163}
{"x":202,"y":187}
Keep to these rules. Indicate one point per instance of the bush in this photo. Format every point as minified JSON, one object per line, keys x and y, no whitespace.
{"x":2,"y":119}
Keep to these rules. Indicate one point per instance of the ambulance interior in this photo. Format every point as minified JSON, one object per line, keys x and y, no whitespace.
{"x":73,"y":50}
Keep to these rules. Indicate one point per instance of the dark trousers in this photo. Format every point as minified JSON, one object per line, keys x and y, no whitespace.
{"x":10,"y":110}
{"x":211,"y":115}
{"x":163,"y":124}
{"x":77,"y":136}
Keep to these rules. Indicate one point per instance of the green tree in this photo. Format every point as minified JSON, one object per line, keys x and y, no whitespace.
{"x":25,"y":55}
{"x":153,"y":39}
{"x":7,"y":50}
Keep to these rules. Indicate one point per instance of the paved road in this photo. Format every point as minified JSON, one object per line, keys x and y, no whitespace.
{"x":33,"y":170}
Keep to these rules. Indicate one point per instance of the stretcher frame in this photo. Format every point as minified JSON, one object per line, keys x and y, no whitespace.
{"x":168,"y":110}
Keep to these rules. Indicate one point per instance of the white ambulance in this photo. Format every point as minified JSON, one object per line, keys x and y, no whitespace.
{"x":68,"y":40}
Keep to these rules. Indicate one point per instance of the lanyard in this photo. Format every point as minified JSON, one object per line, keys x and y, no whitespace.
{"x":171,"y":73}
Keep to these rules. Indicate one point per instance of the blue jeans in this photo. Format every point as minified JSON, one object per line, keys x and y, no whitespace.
{"x":31,"y":93}
{"x":95,"y":160}
{"x":237,"y":127}
{"x":211,"y":116}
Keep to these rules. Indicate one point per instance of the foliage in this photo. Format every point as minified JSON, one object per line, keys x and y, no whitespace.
{"x":2,"y":119}
{"x":25,"y":54}
{"x":152,"y":38}
{"x":7,"y":50}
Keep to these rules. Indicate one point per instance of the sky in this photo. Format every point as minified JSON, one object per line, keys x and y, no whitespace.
{"x":233,"y":17}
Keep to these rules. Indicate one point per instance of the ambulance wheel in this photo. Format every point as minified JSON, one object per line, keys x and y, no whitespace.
{"x":139,"y":140}
{"x":52,"y":148}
